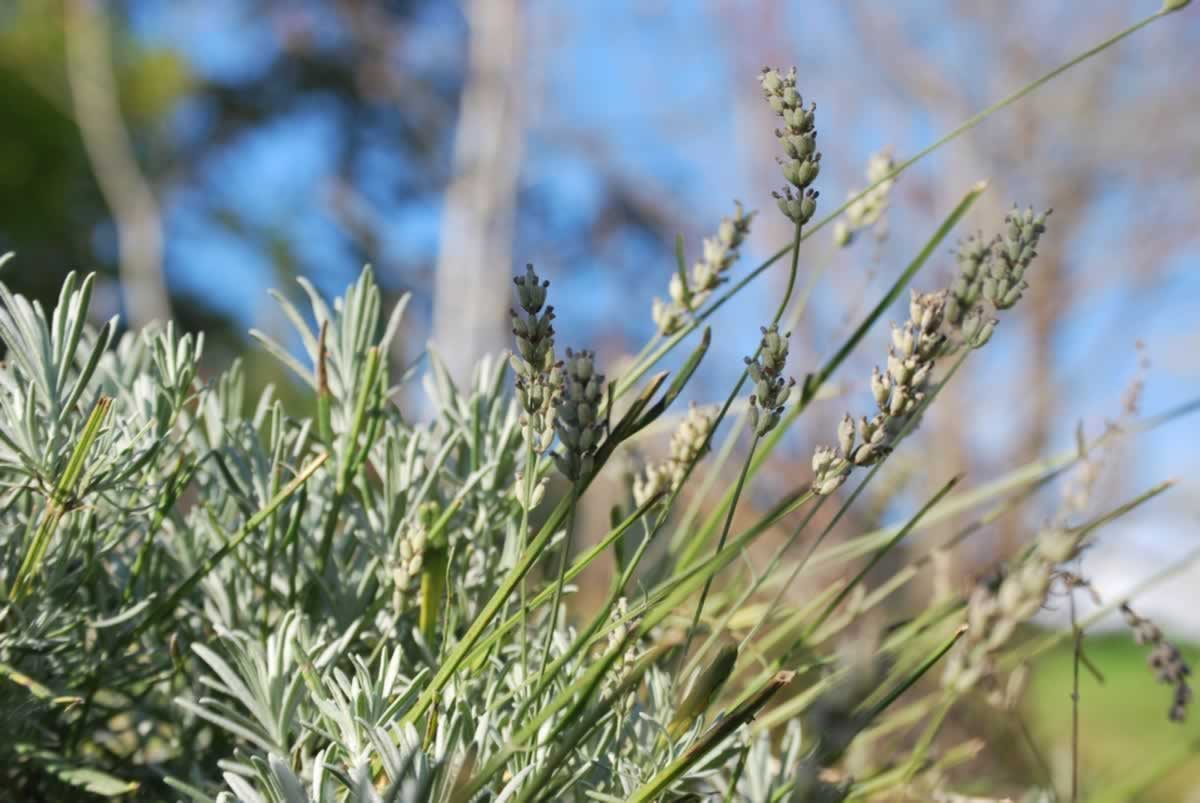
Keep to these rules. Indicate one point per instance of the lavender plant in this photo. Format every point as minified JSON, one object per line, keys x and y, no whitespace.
{"x":210,"y":604}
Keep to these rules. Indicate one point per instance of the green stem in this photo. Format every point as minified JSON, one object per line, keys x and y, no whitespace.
{"x":62,"y":498}
{"x":530,"y":481}
{"x":561,"y":580}
{"x":791,"y":279}
{"x":689,"y":551}
{"x":737,"y":491}
{"x":712,"y":739}
{"x":433,"y":591}
{"x":761,"y":578}
{"x":874,"y":561}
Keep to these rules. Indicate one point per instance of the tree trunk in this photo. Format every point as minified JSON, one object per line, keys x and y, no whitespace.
{"x":472,"y":280}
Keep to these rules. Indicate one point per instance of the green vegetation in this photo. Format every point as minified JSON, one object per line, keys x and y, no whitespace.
{"x":204,"y":603}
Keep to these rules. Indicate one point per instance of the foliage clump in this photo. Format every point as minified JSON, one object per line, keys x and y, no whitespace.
{"x":210,"y":604}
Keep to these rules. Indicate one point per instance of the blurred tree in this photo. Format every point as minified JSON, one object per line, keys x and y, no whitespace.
{"x":416,"y":106}
{"x":475,"y":243}
{"x":50,"y":208}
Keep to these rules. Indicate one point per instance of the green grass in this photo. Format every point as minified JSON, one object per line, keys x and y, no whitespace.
{"x":1128,"y":749}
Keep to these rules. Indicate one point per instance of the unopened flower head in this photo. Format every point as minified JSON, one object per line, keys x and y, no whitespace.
{"x":668,"y":317}
{"x":966,"y":290}
{"x":532,"y":324}
{"x":1165,"y":660}
{"x":867,"y":212}
{"x":407,"y":563}
{"x":690,"y":441}
{"x":996,"y":609}
{"x":992,"y":272}
{"x":898,"y":393}
{"x":577,"y":417}
{"x":688,"y":445}
{"x":830,"y":470}
{"x":771,"y":390}
{"x":538,"y":375}
{"x":1012,"y":254}
{"x":719,"y":254}
{"x":798,"y":136}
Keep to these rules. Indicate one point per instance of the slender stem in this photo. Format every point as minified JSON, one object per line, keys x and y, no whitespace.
{"x":787,"y":295}
{"x":731,"y":794}
{"x":791,"y":279}
{"x":762,"y":577}
{"x":741,"y":480}
{"x":647,"y":348}
{"x":560,"y":582}
{"x":1078,"y":634}
{"x":523,"y":539}
{"x":1031,"y":745}
{"x":710,"y":479}
{"x":62,"y":497}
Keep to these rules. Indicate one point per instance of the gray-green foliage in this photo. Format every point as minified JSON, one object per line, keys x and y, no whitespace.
{"x":204,"y":603}
{"x":240,"y":607}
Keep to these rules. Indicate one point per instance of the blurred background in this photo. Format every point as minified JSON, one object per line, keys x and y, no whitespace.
{"x":199,"y":152}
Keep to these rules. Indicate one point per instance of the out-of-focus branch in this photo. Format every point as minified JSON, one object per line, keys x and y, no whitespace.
{"x":110,"y":151}
{"x":475,"y":243}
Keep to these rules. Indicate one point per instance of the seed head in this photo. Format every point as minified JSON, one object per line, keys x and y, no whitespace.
{"x":1164,"y":660}
{"x":798,"y":138}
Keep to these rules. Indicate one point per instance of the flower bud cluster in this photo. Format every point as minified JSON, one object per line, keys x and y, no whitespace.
{"x":577,"y":417}
{"x":771,"y":390}
{"x":1165,"y":659}
{"x":995,"y":610}
{"x":867,"y":212}
{"x":898,"y":393}
{"x":966,"y":291}
{"x":535,"y":494}
{"x":407,"y":563}
{"x":799,"y":140}
{"x":1011,"y":257}
{"x":688,"y":444}
{"x":994,"y":271}
{"x":620,"y":631}
{"x":538,"y":375}
{"x":720,"y":252}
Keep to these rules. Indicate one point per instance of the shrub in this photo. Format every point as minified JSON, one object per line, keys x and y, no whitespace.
{"x":204,"y":604}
